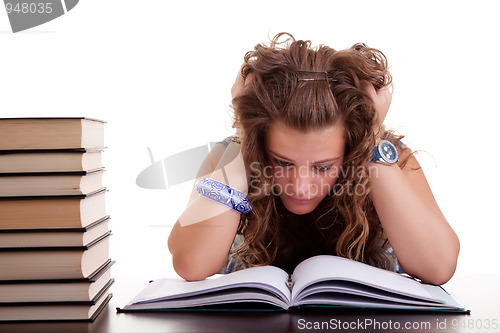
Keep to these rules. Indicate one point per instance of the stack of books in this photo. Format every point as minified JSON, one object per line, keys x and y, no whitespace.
{"x":54,"y":235}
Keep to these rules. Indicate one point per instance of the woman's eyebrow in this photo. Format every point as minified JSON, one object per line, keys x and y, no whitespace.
{"x":278,"y":155}
{"x":315,"y":162}
{"x":328,"y":160}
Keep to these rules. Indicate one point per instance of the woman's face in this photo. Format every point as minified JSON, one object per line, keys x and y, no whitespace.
{"x":305,"y":165}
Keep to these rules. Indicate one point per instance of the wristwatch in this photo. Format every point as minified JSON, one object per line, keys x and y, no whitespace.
{"x":385,"y":152}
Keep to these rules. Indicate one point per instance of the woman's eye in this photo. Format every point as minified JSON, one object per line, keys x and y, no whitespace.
{"x":323,"y":168}
{"x":282,"y":163}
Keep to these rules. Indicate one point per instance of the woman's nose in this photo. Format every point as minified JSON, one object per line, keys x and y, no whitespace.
{"x":302,"y":183}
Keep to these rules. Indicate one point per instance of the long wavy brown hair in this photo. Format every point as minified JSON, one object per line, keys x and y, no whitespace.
{"x":345,"y":223}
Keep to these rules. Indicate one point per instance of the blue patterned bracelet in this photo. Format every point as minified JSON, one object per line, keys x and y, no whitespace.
{"x":223,"y":194}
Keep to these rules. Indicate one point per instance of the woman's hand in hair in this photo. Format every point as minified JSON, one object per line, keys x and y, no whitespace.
{"x":238,"y":85}
{"x":381,"y":98}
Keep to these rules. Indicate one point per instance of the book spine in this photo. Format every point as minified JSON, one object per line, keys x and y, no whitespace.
{"x":290,"y":282}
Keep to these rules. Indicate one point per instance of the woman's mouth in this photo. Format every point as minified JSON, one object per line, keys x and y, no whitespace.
{"x":299,"y":201}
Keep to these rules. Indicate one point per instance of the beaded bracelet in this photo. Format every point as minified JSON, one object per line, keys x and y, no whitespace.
{"x":223,"y":194}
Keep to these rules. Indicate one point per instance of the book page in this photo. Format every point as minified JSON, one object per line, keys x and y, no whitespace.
{"x":217,"y":298}
{"x":269,"y":278}
{"x":325,"y":267}
{"x":347,"y":300}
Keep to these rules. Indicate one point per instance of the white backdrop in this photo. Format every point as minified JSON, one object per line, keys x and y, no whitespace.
{"x":160,"y":72}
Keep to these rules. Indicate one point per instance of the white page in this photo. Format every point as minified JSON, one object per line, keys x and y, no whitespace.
{"x":228,"y":297}
{"x":355,"y":301}
{"x":332,"y":288}
{"x":440,"y":293}
{"x":324,"y":267}
{"x":269,"y":277}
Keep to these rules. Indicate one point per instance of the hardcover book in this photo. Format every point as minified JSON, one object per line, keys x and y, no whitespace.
{"x":57,"y":211}
{"x":80,"y":311}
{"x":53,"y":262}
{"x":320,"y":281}
{"x":51,"y":133}
{"x":57,"y":290}
{"x":50,"y":160}
{"x":60,"y":237}
{"x":50,"y":183}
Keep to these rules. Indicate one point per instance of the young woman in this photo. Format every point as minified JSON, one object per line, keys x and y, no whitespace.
{"x":321,"y":175}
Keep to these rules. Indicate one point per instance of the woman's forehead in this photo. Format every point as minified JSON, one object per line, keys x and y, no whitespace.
{"x":311,"y":145}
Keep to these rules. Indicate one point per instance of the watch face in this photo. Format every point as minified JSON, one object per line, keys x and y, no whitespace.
{"x":388,"y":152}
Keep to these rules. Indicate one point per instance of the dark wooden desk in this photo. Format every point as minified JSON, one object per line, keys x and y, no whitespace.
{"x":480,"y":293}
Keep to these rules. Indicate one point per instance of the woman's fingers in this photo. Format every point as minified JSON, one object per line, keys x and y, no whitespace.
{"x":381,"y":98}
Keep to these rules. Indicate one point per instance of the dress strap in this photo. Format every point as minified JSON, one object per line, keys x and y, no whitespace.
{"x":229,"y":139}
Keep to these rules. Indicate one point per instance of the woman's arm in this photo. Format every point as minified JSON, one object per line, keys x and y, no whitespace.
{"x":201,"y":249}
{"x":423,"y":241}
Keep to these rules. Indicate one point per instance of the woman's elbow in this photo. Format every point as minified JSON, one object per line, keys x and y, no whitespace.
{"x":193,"y":268}
{"x":440,"y":275}
{"x":445,"y":266}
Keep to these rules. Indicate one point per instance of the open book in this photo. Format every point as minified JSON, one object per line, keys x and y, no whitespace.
{"x":318,"y":281}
